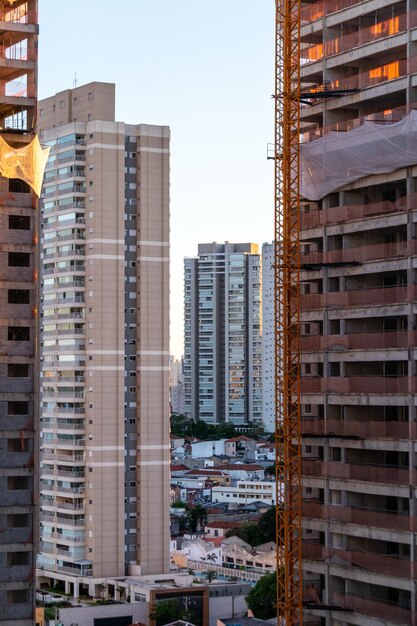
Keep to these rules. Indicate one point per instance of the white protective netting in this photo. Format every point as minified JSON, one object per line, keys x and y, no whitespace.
{"x":339,"y":158}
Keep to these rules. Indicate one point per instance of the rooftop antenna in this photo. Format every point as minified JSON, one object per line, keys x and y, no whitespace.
{"x":75,"y":80}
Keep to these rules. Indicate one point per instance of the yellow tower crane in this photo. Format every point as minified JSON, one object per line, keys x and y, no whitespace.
{"x":287,"y":313}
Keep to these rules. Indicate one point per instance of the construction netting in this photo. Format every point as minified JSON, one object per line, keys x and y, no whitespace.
{"x":27,"y":163}
{"x":339,"y":158}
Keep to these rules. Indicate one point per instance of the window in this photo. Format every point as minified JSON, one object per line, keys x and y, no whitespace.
{"x":17,"y":596}
{"x":19,"y":222}
{"x":18,"y":333}
{"x":18,"y":558}
{"x":19,"y":259}
{"x":18,"y":370}
{"x":18,"y":520}
{"x":17,"y":483}
{"x":18,"y":445}
{"x":18,"y":296}
{"x":17,"y":408}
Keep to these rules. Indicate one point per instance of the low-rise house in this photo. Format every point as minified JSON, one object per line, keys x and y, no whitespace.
{"x":199,"y":551}
{"x":244,"y":471}
{"x":240,"y":447}
{"x":220,"y":477}
{"x":238,"y":553}
{"x":245,"y":492}
{"x":265,"y":451}
{"x":218,"y":528}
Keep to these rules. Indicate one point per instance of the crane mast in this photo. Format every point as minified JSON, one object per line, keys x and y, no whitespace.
{"x":287,"y":313}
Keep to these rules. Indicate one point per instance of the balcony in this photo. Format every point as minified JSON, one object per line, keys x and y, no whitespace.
{"x":364,"y":473}
{"x":316,"y":10}
{"x":62,"y":443}
{"x":341,"y":214}
{"x":363,"y":253}
{"x":57,"y":254}
{"x":360,"y":384}
{"x":359,"y":428}
{"x":363,"y":517}
{"x":359,"y":341}
{"x":359,"y":297}
{"x":377,"y":563}
{"x":63,"y":458}
{"x":346,"y":43}
{"x":376,"y":608}
{"x":62,"y":425}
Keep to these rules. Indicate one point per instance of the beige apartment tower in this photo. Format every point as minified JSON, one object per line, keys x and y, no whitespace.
{"x":105,"y":334}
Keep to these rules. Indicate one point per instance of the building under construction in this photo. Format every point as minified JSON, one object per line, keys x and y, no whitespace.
{"x":359,"y":311}
{"x":20,"y":168}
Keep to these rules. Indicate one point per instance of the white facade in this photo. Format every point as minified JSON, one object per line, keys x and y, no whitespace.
{"x":223,"y":329}
{"x":246,"y":492}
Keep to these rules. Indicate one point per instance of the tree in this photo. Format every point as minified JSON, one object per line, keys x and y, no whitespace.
{"x":166,"y":611}
{"x":196,"y":516}
{"x":255,"y":534}
{"x":262,"y":598}
{"x":210,"y":575}
{"x":211,"y":557}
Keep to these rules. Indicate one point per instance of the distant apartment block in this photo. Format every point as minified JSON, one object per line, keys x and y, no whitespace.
{"x":176,"y":385}
{"x":223,"y":326}
{"x":268,"y":338}
{"x":18,"y":295}
{"x":104,"y":333}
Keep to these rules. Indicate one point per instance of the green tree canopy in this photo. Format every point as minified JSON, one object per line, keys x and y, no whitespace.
{"x":262,"y":598}
{"x":255,"y":534}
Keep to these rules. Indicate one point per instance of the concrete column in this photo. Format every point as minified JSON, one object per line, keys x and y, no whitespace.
{"x":67,"y":587}
{"x":76,"y":589}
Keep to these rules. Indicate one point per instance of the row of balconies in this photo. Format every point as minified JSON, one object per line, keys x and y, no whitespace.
{"x":52,"y":471}
{"x":367,"y":429}
{"x":55,"y":253}
{"x":316,"y":10}
{"x":65,"y":506}
{"x":48,"y":424}
{"x":346,"y":43}
{"x":365,"y":473}
{"x":56,"y":519}
{"x":360,"y":384}
{"x":378,"y":563}
{"x":62,"y":443}
{"x":362,"y":517}
{"x":359,"y":341}
{"x":373,"y":607}
{"x":63,"y":458}
{"x":71,"y":268}
{"x":62,"y":538}
{"x":71,"y":221}
{"x":362,"y":253}
{"x":316,"y":218}
{"x":360,"y":297}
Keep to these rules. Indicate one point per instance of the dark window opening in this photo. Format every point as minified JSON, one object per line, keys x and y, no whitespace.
{"x":18,"y":558}
{"x":19,"y":222}
{"x":17,"y":596}
{"x":18,"y":520}
{"x":17,"y":483}
{"x":18,"y":370}
{"x":18,"y":186}
{"x":18,"y":296}
{"x":19,"y":259}
{"x":18,"y":333}
{"x":17,"y":408}
{"x":18,"y":445}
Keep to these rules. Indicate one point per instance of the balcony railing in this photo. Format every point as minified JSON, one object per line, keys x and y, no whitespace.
{"x":316,"y":10}
{"x":363,"y":517}
{"x":359,"y":341}
{"x":346,"y":43}
{"x":367,"y":429}
{"x":372,"y":607}
{"x":338,"y":215}
{"x":367,"y":561}
{"x":359,"y":297}
{"x":360,"y":384}
{"x":363,"y":253}
{"x":365,"y":473}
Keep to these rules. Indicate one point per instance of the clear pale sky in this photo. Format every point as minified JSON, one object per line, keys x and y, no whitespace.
{"x":206,"y":69}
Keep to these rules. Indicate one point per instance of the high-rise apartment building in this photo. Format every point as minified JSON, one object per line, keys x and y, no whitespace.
{"x":176,"y":385}
{"x":223,"y":326}
{"x":268,"y":338}
{"x":359,"y":261}
{"x":18,"y":233}
{"x":104,"y":317}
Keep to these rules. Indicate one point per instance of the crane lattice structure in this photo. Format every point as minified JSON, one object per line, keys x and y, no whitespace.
{"x":287,"y":313}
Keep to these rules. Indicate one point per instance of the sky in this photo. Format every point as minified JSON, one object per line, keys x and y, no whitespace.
{"x":204,"y":68}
